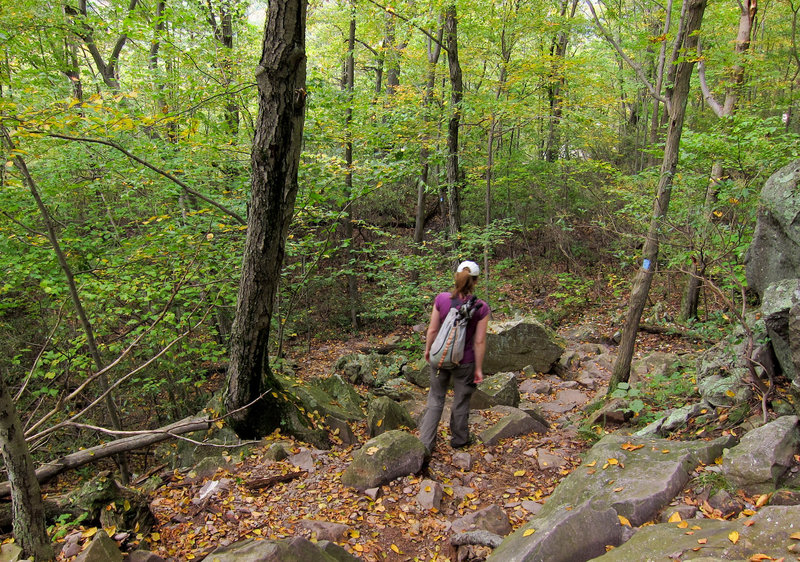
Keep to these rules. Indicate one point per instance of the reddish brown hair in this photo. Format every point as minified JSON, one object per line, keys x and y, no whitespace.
{"x":464,"y":283}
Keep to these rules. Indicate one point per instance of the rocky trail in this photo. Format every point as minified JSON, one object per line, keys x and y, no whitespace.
{"x":261,"y":497}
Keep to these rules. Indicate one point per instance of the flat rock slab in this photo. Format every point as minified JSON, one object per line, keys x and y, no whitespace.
{"x":565,"y":401}
{"x":769,"y":534}
{"x":636,"y":476}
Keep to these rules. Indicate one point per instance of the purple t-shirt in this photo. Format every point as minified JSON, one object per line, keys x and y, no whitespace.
{"x":442,"y":304}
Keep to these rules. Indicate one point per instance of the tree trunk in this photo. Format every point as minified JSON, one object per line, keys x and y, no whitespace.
{"x":749,"y":9}
{"x":27,"y":510}
{"x":558,"y":51}
{"x":644,"y":277}
{"x":349,"y":82}
{"x":456,"y":95}
{"x":91,"y":343}
{"x":434,"y":50}
{"x":281,"y":77}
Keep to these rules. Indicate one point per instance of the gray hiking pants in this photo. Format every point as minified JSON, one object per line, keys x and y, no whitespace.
{"x":462,"y":378}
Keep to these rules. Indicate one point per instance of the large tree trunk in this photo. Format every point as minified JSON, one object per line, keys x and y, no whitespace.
{"x":281,"y":78}
{"x":644,"y":277}
{"x":456,"y":95}
{"x":26,"y":498}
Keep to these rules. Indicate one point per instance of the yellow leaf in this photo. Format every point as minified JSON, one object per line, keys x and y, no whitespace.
{"x":702,"y":541}
{"x":762,"y":500}
{"x":795,"y":536}
{"x":379,"y":423}
{"x":682,"y":525}
{"x":748,"y":512}
{"x":593,"y":463}
{"x":624,"y":521}
{"x":674,"y":518}
{"x":519,"y":473}
{"x":155,"y":537}
{"x":612,"y":461}
{"x":372,"y":450}
{"x":528,"y":532}
{"x":354,"y":533}
{"x":733,"y":537}
{"x":427,"y":488}
{"x":730,"y":393}
{"x":395,"y":549}
{"x":358,"y":548}
{"x":90,"y":532}
{"x":757,"y":557}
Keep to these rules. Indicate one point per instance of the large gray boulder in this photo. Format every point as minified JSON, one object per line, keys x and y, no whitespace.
{"x":514,"y":345}
{"x":513,"y":423}
{"x":760,"y":460}
{"x":496,"y":390}
{"x":780,"y":307}
{"x":384,"y":458}
{"x":774,"y":253}
{"x":372,"y":370}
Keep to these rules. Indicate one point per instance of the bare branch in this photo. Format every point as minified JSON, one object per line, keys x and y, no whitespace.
{"x":154,"y":168}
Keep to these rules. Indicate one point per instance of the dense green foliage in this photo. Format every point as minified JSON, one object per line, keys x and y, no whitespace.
{"x":128,"y":165}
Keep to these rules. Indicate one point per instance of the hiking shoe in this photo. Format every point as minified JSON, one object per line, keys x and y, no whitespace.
{"x":469,"y":442}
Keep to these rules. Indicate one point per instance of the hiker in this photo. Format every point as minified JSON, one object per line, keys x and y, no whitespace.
{"x":467,"y":373}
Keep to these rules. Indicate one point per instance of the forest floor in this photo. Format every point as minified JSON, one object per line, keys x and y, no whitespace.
{"x":392,"y":526}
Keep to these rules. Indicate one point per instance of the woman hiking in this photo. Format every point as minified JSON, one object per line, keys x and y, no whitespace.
{"x":464,"y":376}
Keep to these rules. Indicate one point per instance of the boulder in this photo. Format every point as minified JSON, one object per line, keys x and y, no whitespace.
{"x":514,"y":345}
{"x":767,"y":533}
{"x":384,"y":414}
{"x":329,"y":396}
{"x":579,"y":533}
{"x":418,"y":373}
{"x":324,"y":530}
{"x":514,"y":422}
{"x":780,"y":307}
{"x":112,"y":505}
{"x":144,"y":556}
{"x":399,"y":390}
{"x":496,"y":390}
{"x":492,"y":519}
{"x":372,"y":370}
{"x":102,"y":549}
{"x":295,"y":548}
{"x":774,"y":253}
{"x":384,"y":458}
{"x":722,"y":375}
{"x":762,"y":457}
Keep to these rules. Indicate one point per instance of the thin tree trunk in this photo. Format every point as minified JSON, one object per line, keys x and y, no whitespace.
{"x":644,"y":276}
{"x":91,"y":343}
{"x":456,"y":95}
{"x":281,"y":78}
{"x":27,"y":509}
{"x":434,"y":51}
{"x":349,"y":82}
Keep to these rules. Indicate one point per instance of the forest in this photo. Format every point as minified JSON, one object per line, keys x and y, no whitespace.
{"x":585,"y":153}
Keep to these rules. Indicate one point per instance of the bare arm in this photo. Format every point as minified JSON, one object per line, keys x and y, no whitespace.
{"x":433,"y":329}
{"x":480,"y":347}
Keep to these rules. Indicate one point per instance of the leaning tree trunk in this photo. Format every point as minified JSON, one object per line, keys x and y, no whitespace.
{"x":281,"y":78}
{"x":644,"y":277}
{"x":27,"y":510}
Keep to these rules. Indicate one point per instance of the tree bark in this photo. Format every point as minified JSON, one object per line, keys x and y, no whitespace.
{"x":456,"y":95}
{"x":27,"y":510}
{"x":349,"y":82}
{"x":281,"y":78}
{"x":644,"y":277}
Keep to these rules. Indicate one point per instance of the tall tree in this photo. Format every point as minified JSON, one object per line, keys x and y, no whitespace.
{"x":747,"y":16}
{"x":454,"y":122}
{"x":281,"y":78}
{"x":347,"y":85}
{"x":676,"y":106}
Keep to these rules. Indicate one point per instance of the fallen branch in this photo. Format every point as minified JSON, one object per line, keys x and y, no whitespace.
{"x":80,"y":458}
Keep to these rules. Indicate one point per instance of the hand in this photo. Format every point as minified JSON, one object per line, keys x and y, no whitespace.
{"x":478,"y":376}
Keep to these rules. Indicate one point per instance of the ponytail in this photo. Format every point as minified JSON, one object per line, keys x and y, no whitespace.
{"x":464,"y":283}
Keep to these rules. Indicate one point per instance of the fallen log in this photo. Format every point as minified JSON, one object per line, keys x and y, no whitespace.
{"x":87,"y":456}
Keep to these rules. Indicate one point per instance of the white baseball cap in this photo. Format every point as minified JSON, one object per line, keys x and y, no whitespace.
{"x":474,"y":270}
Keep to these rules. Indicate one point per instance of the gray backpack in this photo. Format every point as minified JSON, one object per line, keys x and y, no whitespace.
{"x":447,"y":349}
